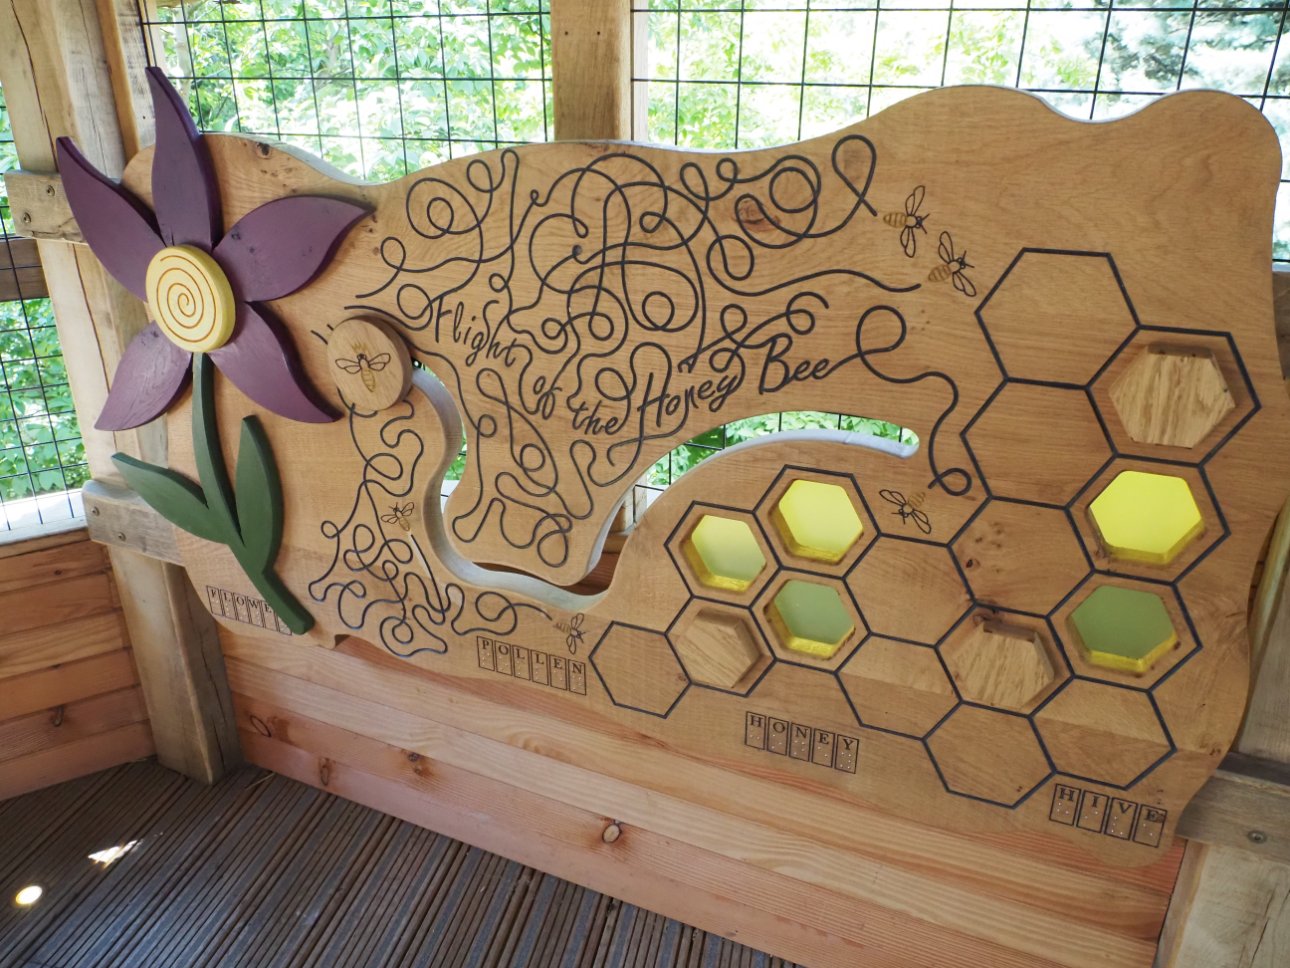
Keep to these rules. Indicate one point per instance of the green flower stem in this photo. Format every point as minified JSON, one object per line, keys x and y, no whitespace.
{"x":259,"y":491}
{"x":209,"y":454}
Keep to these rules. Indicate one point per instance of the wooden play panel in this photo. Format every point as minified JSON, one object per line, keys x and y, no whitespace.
{"x":1033,"y":621}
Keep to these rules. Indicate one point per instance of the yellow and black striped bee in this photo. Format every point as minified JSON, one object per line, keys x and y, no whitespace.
{"x":909,"y":221}
{"x":952,"y":266}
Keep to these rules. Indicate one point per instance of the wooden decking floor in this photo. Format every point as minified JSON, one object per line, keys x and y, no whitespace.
{"x":262,"y":871}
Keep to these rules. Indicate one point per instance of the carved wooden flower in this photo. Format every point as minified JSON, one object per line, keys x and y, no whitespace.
{"x":202,"y":286}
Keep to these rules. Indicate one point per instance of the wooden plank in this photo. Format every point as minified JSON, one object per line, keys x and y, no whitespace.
{"x":59,"y":562}
{"x":117,"y":516}
{"x":70,"y":722}
{"x":358,"y":672}
{"x":66,"y":762}
{"x":67,"y":682}
{"x":42,"y":537}
{"x":20,"y":273}
{"x":671,"y":878}
{"x":39,"y":206}
{"x":176,"y":649}
{"x":1245,"y":805}
{"x":1232,"y":908}
{"x":1281,"y":310}
{"x":56,"y":70}
{"x":900,"y":892}
{"x":58,"y":602}
{"x":127,"y":58}
{"x":1229,"y":908}
{"x":591,"y":63}
{"x":51,"y":645}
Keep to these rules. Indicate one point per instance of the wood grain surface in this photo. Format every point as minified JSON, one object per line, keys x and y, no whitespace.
{"x":580,"y":309}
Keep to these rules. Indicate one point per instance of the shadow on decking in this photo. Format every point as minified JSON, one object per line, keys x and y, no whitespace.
{"x":262,"y":871}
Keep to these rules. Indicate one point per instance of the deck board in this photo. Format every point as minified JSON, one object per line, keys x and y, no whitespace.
{"x":264,"y":872}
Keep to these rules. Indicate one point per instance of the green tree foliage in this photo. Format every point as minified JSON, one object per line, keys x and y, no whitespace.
{"x":379,"y":88}
{"x":40,"y":442}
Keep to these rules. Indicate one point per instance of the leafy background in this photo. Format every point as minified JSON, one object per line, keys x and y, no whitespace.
{"x":40,"y":442}
{"x":381,"y":87}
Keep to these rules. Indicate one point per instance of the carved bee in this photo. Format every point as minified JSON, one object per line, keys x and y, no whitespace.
{"x":402,"y":516}
{"x":909,"y":221}
{"x":952,"y":266}
{"x":908,"y":510}
{"x":366,"y":366}
{"x":574,"y":629}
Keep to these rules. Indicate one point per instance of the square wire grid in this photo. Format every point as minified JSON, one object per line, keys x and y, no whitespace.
{"x":42,"y":459}
{"x":377,"y":88}
{"x":751,"y":73}
{"x":747,"y":73}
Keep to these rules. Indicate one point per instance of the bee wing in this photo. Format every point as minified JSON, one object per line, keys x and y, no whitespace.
{"x":908,"y":241}
{"x":891,"y":497}
{"x":407,"y":508}
{"x":946,"y":247}
{"x":923,"y":521}
{"x":964,"y":285}
{"x":915,"y":200}
{"x":379,"y":362}
{"x":350,"y":366}
{"x":390,"y":518}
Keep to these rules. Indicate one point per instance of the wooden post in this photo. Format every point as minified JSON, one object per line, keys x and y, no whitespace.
{"x":591,"y":63}
{"x":1229,"y":906}
{"x":55,"y":69}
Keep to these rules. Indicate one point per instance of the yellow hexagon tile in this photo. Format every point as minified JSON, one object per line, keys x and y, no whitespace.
{"x":723,"y":553}
{"x":1146,"y":517}
{"x":817,"y":521}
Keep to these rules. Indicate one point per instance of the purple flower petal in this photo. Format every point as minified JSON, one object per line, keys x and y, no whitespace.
{"x":114,"y":223}
{"x":274,"y":250}
{"x":261,"y":362}
{"x":149,"y":377}
{"x":185,"y":194}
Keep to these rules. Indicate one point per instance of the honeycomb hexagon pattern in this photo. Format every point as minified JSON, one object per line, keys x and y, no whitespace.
{"x":1171,"y":397}
{"x":817,"y":521}
{"x":897,"y":686}
{"x":1063,"y":443}
{"x":719,"y":646}
{"x":1143,"y":516}
{"x":639,"y":670}
{"x":723,"y":553}
{"x":889,"y":570}
{"x":1102,"y":733}
{"x":1125,"y":629}
{"x":1021,"y":556}
{"x":990,"y":755}
{"x":1057,"y":316}
{"x":810,"y":619}
{"x":1007,"y":666}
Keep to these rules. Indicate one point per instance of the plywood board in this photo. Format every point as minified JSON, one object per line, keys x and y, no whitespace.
{"x":967,"y":264}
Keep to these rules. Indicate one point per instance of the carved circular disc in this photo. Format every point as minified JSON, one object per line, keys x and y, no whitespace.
{"x":190,"y":298}
{"x":370,"y":363}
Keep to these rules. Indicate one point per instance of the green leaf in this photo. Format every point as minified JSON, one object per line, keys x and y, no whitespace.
{"x":259,"y":498}
{"x":173,"y":496}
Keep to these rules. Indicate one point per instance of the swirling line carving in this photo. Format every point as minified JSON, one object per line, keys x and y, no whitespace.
{"x":619,"y":301}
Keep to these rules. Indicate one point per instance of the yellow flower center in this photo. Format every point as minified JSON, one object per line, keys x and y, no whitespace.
{"x":190,"y":298}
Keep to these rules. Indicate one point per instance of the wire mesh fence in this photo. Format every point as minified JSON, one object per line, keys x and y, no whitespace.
{"x":42,"y":459}
{"x":748,"y":73}
{"x":379,"y":88}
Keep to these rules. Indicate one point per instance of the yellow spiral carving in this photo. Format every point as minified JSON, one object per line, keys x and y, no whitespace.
{"x":191,"y":299}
